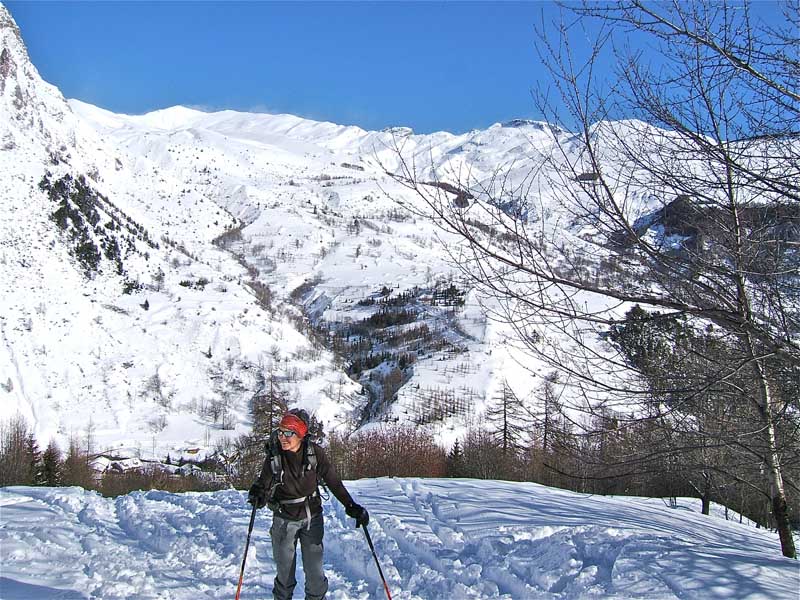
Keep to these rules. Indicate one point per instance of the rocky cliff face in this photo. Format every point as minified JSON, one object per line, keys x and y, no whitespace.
{"x":33,"y":114}
{"x":8,"y":29}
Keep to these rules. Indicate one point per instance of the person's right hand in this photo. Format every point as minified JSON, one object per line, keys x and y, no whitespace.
{"x":257,"y":496}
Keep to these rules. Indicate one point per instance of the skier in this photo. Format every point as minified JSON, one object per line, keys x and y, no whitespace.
{"x":288,"y":484}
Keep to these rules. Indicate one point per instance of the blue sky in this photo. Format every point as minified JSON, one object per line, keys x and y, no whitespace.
{"x":428,"y":65}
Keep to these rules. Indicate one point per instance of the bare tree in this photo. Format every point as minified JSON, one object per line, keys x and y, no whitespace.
{"x":269,"y":402}
{"x":511,"y":421}
{"x":155,"y":389}
{"x":75,"y":468}
{"x":692,"y":206}
{"x":15,"y":459}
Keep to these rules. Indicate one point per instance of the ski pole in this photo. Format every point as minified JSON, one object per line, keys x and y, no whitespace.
{"x":246,"y":546}
{"x":375,"y":556}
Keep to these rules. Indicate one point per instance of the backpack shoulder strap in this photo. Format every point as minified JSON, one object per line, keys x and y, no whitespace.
{"x":311,"y":456}
{"x":276,"y":464}
{"x":311,"y":465}
{"x":275,"y":461}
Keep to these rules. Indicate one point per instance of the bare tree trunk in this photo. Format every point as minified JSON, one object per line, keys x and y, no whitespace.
{"x":764,"y":399}
{"x":777,"y":491}
{"x":704,"y":494}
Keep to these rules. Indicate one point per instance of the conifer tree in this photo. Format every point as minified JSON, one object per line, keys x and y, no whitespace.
{"x":14,"y":462}
{"x":268,"y":405}
{"x":455,"y":461}
{"x":34,"y":460}
{"x":51,"y":465}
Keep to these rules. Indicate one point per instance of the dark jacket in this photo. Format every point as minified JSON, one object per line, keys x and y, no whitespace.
{"x":300,"y":481}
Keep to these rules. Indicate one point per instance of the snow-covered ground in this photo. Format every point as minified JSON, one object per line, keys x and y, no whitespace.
{"x":444,"y":539}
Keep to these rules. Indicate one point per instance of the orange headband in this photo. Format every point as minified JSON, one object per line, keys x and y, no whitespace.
{"x":294,"y":423}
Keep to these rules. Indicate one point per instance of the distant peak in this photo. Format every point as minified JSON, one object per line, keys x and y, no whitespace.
{"x":526,"y":123}
{"x":404,"y":131}
{"x":175,"y":111}
{"x":170,"y":118}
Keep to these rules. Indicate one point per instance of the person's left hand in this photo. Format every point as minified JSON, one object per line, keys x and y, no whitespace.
{"x":359,"y":513}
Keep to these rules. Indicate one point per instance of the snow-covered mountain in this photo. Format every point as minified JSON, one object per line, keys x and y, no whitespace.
{"x":158,"y":267}
{"x":120,"y":318}
{"x":310,"y":217}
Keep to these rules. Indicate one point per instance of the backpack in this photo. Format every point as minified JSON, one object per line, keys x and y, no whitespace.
{"x":273,"y":448}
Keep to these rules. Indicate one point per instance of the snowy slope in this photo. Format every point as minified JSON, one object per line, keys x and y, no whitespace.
{"x":136,"y":373}
{"x":297,"y":187}
{"x":436,"y":539}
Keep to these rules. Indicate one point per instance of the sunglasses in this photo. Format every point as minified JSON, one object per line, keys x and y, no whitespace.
{"x":286,"y":434}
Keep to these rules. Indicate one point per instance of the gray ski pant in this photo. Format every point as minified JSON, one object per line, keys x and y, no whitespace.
{"x":284,"y":534}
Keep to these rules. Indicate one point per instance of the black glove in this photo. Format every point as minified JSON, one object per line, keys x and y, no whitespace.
{"x":257,"y":495}
{"x":359,"y":513}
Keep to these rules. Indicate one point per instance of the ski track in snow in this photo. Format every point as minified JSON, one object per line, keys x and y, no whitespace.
{"x":436,"y":539}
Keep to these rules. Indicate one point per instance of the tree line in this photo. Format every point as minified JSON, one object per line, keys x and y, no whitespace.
{"x":23,"y":462}
{"x":511,"y":443}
